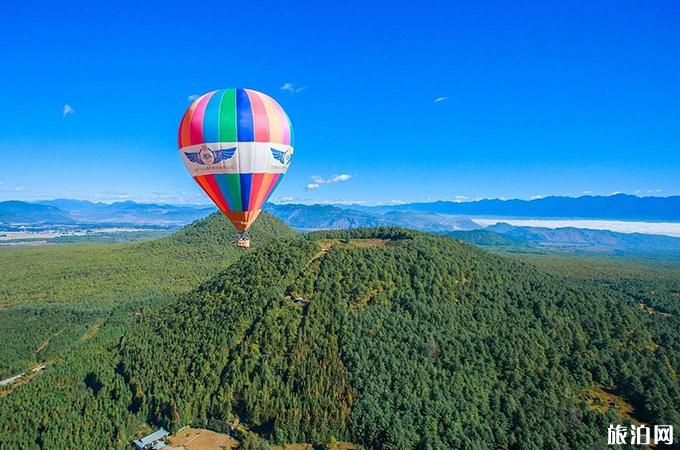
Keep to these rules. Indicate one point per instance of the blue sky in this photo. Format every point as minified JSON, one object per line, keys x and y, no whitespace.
{"x":535,"y":98}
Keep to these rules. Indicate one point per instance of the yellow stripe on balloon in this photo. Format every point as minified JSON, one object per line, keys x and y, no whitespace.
{"x":275,"y":132}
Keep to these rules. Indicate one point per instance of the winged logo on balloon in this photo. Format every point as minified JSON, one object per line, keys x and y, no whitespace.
{"x":281,"y":156}
{"x":206,"y":156}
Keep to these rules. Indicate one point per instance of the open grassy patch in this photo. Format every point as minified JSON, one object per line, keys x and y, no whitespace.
{"x":200,"y":439}
{"x":601,"y":400}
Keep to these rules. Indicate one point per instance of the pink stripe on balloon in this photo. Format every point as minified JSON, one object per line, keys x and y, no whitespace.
{"x":260,"y":118}
{"x":196,"y":132}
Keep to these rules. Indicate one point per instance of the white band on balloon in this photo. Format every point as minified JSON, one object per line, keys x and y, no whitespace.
{"x":236,"y":157}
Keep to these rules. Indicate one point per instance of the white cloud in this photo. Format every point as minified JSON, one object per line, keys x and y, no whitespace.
{"x":339,"y":178}
{"x":290,"y":87}
{"x":536,"y":197}
{"x":320,"y":181}
{"x":193,"y":97}
{"x":440,"y":99}
{"x":332,"y":180}
{"x":587,"y":192}
{"x":18,"y":189}
{"x":68,"y":110}
{"x":651,"y":191}
{"x":459,"y":198}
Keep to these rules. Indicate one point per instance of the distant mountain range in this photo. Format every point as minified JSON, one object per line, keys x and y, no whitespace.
{"x":498,"y":236}
{"x":21,"y":212}
{"x":326,"y":217}
{"x":62,"y":211}
{"x":613,"y":207}
{"x":435,"y":217}
{"x":431,"y":218}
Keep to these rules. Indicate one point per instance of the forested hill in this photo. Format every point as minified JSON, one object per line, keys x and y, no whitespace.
{"x":50,"y":296}
{"x":398,"y":339}
{"x":106,"y":274}
{"x":215,"y":232}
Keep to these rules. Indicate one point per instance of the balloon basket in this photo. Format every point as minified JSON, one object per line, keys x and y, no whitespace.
{"x":243,"y":240}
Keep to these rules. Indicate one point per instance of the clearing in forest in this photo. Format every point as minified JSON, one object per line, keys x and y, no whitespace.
{"x":200,"y":439}
{"x":650,"y":310}
{"x":601,"y":400}
{"x":327,"y":244}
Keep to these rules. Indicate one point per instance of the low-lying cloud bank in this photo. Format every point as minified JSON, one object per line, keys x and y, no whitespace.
{"x":662,"y":228}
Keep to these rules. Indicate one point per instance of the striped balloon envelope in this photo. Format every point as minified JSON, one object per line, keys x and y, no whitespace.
{"x":237,"y":145}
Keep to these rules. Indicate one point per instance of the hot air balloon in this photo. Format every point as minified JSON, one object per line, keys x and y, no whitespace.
{"x":237,"y":145}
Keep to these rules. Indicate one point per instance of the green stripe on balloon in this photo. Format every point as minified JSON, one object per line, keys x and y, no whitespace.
{"x":230,"y":186}
{"x":227,"y":116}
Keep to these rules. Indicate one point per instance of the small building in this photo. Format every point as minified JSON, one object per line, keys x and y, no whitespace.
{"x":153,"y":441}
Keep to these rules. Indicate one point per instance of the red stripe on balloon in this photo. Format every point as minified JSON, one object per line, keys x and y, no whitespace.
{"x":185,"y":127}
{"x":209,"y":185}
{"x":260,"y":117}
{"x":255,"y":189}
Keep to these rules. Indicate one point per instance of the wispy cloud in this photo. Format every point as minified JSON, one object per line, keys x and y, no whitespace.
{"x":333,"y":179}
{"x":192,"y":97}
{"x":537,"y":197}
{"x":587,"y":192}
{"x":320,"y":181}
{"x":440,"y":99}
{"x":290,"y":87}
{"x":68,"y":110}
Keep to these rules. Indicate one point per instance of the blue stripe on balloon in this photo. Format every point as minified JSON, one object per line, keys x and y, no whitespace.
{"x":211,"y":118}
{"x":246,"y":181}
{"x":244,"y":117}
